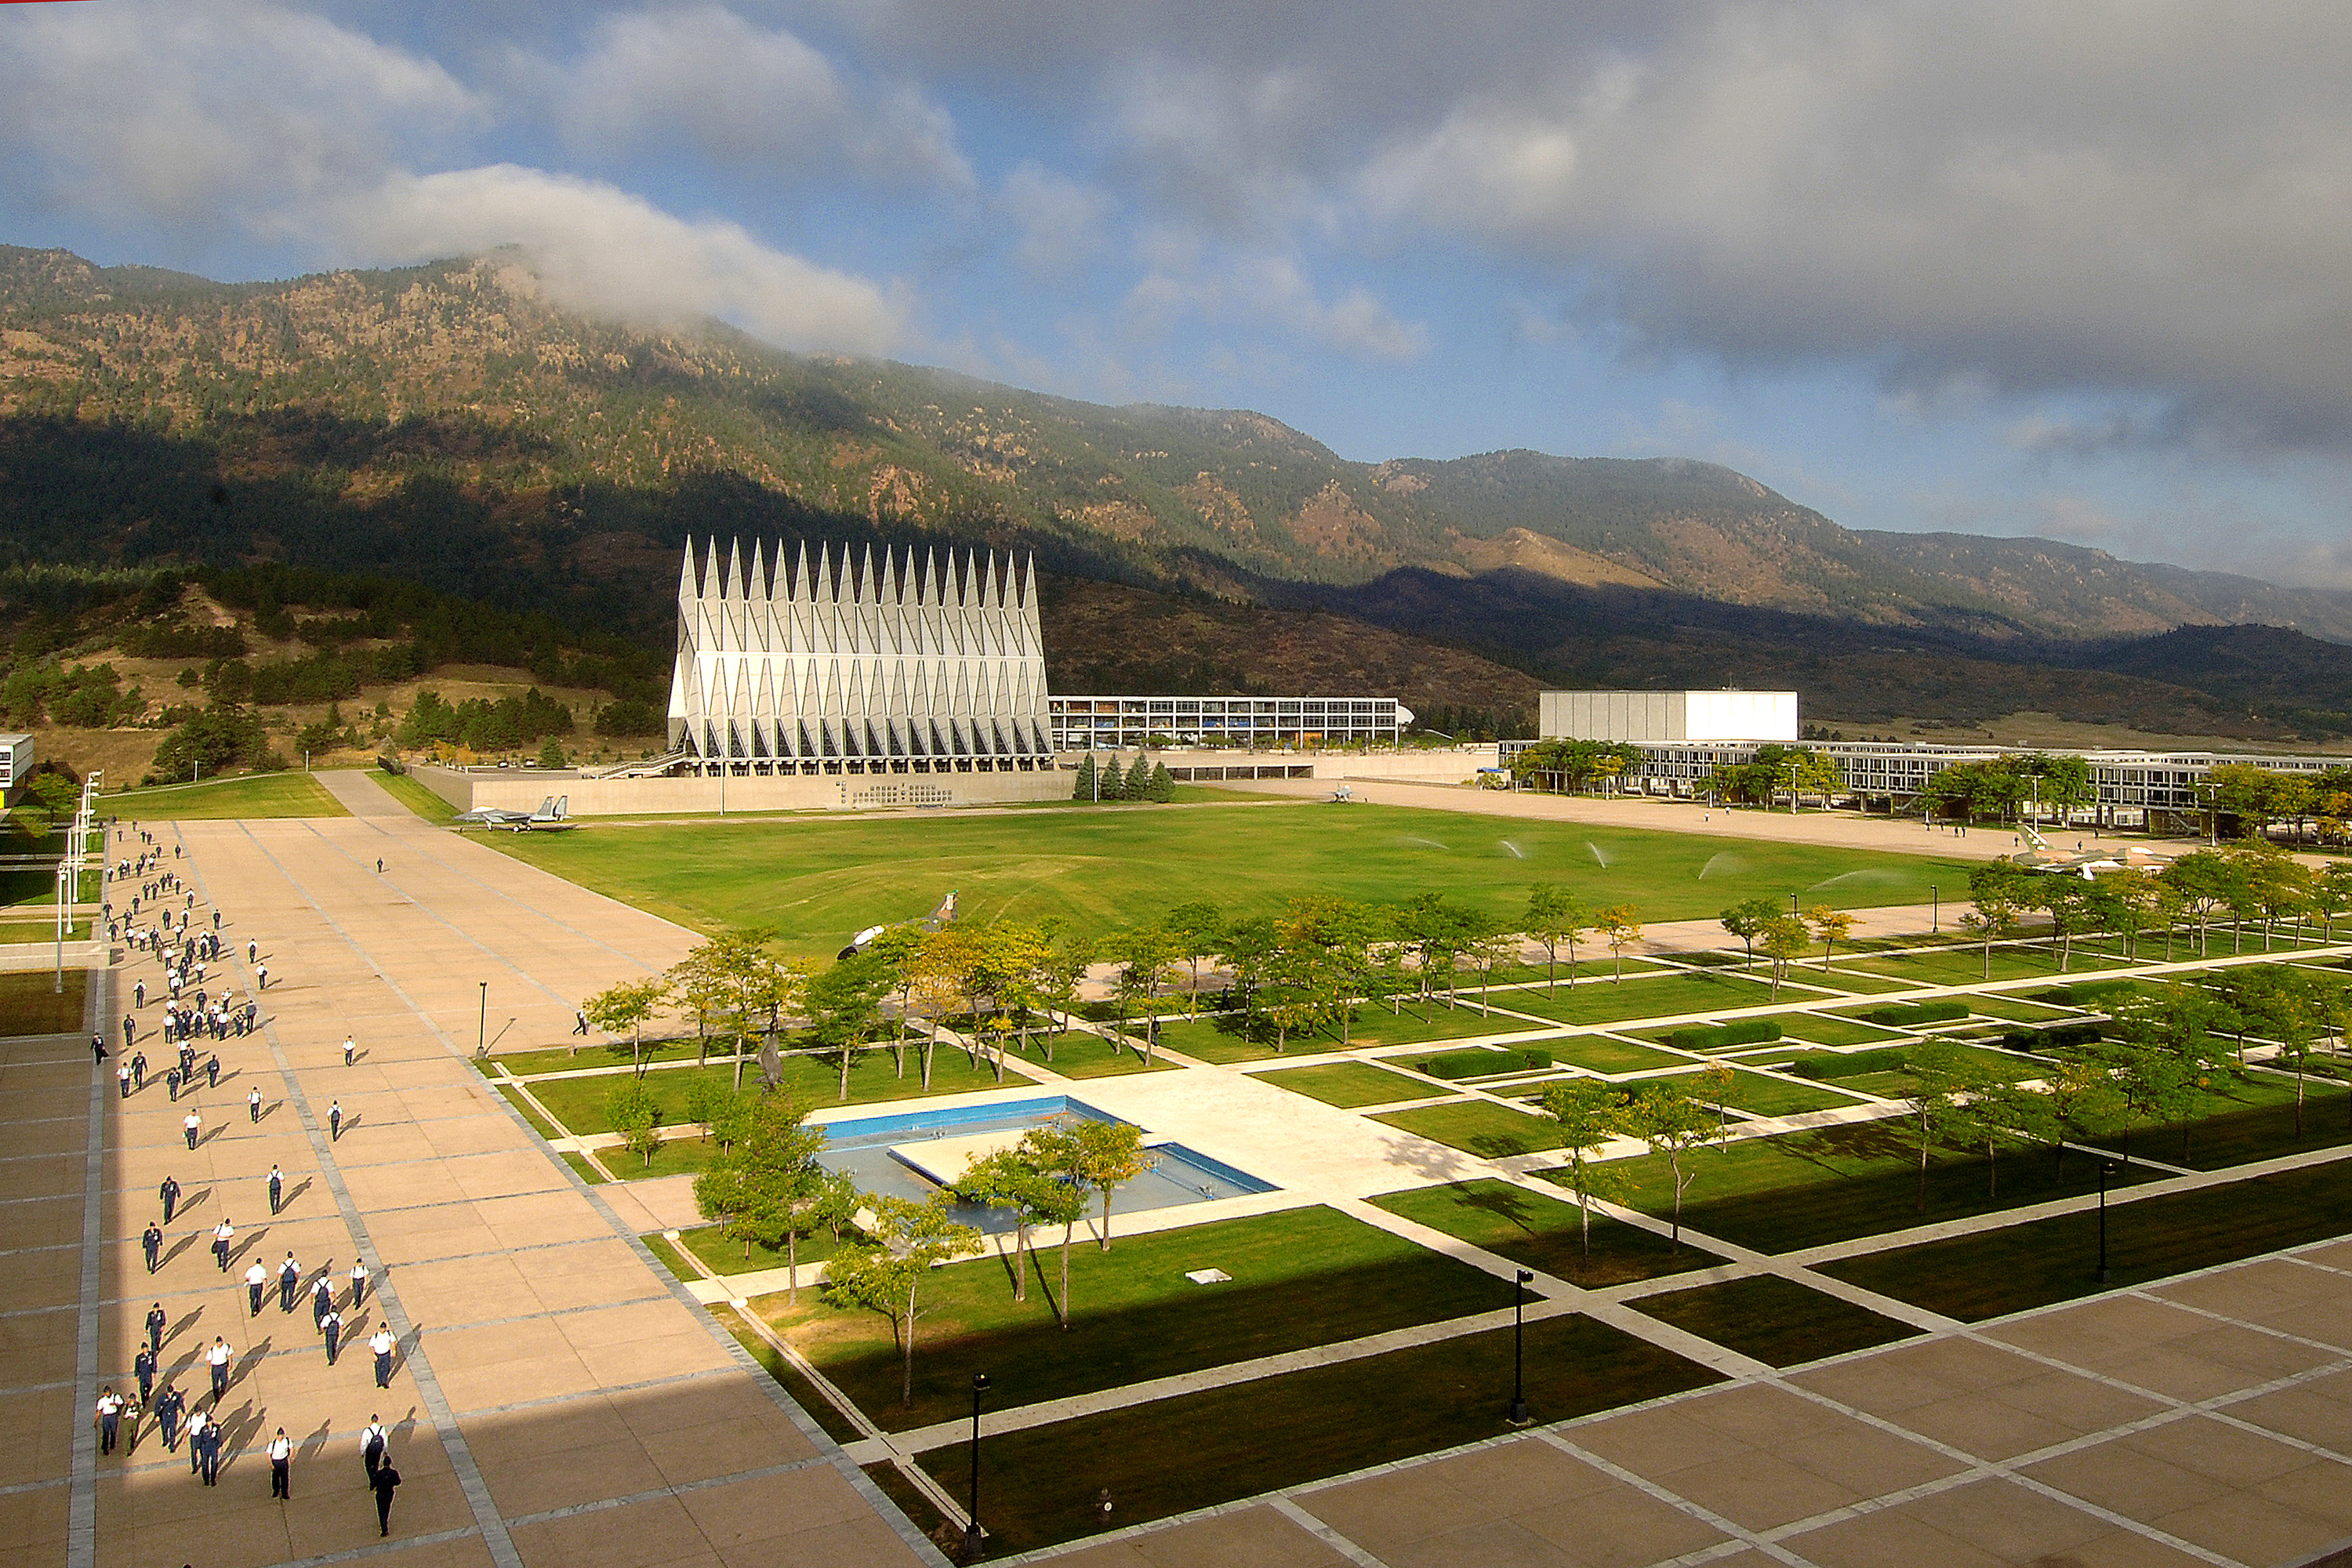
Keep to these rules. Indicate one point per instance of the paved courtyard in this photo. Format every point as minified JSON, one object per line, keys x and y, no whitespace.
{"x":560,"y":1398}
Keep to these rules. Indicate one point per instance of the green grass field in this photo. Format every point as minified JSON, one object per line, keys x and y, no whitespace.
{"x":259,"y":795}
{"x":1479,"y":1127}
{"x":2253,"y":1119}
{"x":1601,"y":1053}
{"x":415,"y":797}
{"x":2024,"y":1266}
{"x":820,"y":880}
{"x":1832,"y":1184}
{"x":28,"y":1006}
{"x":1349,"y":1084}
{"x":1177,"y":1455}
{"x":1776,"y":1096}
{"x":1303,"y":1276}
{"x":579,"y":1102}
{"x":1544,"y":1233}
{"x":1659,"y":996}
{"x":1776,"y":1320}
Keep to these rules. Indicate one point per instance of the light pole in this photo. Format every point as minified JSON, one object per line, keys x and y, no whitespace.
{"x":1935,"y":911}
{"x":973,"y":1537}
{"x":482,"y":1025}
{"x":2106,"y":1168}
{"x":1517,"y":1414}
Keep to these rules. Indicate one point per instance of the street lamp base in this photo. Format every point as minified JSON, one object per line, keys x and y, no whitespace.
{"x":974,"y":1542}
{"x":1517,"y":1414}
{"x":2102,"y":1277}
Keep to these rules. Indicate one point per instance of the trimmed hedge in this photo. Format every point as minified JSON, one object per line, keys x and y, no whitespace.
{"x":1830,"y":1065}
{"x":2057,"y":1037}
{"x":1902,"y":1014}
{"x":1482,"y":1064}
{"x":2089,"y":994}
{"x":1723,"y":1036}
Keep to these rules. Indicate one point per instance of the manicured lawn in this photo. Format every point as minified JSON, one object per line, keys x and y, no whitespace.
{"x":1777,"y":1096}
{"x":1300,"y":1277}
{"x":1823,"y":1029}
{"x":1090,"y":1055}
{"x":261,"y":794}
{"x":2016,"y":1010}
{"x":1776,"y":1320}
{"x":2024,"y":1266}
{"x":1832,"y":1184}
{"x":1599,"y":1002}
{"x":596,"y":1053}
{"x":1543,"y":1232}
{"x":680,"y":1156}
{"x":579,"y":1102}
{"x":822,"y":879}
{"x":28,"y":1006}
{"x":1220,"y":1039}
{"x":723,"y":1256}
{"x":1479,"y":1127}
{"x":1200,"y":1449}
{"x":1964,"y":968}
{"x":415,"y":797}
{"x":587,"y":1172}
{"x":1378,"y":1027}
{"x":1599,"y":1053}
{"x":1349,"y":1084}
{"x":2254,"y":1120}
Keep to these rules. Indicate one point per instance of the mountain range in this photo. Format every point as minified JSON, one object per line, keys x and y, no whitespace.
{"x":449,"y":424}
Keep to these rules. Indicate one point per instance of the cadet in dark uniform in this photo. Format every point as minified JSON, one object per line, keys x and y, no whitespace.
{"x":152,"y":1242}
{"x":386,"y":1478}
{"x":155,"y":1323}
{"x":170,"y":1192}
{"x":211,"y":1070}
{"x":168,"y":1410}
{"x":144,"y":1365}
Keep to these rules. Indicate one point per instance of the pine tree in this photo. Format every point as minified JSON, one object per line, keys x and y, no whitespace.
{"x":1086,"y":786}
{"x":1139,"y":780}
{"x":1162,"y":787}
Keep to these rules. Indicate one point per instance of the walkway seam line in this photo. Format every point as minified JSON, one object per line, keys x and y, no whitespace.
{"x":81,"y":1505}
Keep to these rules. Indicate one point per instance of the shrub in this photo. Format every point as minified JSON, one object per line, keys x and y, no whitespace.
{"x":2057,"y":1037}
{"x":1829,"y":1065}
{"x":1455,"y":1065}
{"x":1904,"y":1014}
{"x":1723,"y":1036}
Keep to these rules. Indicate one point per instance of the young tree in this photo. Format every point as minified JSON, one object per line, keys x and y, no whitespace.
{"x":1830,"y":928}
{"x":1148,"y":954}
{"x":1198,"y":928}
{"x":1102,"y":1157}
{"x":766,"y":1189}
{"x":1785,"y":941}
{"x":2204,"y":882}
{"x":887,"y":1277}
{"x":627,"y":1006}
{"x":765,"y":988}
{"x":1555,"y":916}
{"x":2331,"y":895}
{"x":707,"y":1102}
{"x":1590,"y":1113}
{"x":1621,"y":924}
{"x":1662,"y":1115}
{"x":1488,"y":944}
{"x":1086,"y":787}
{"x":1941,"y":1075}
{"x":1747,"y":920}
{"x":631,"y":1110}
{"x":2067,"y":900}
{"x":1010,"y":1179}
{"x":845,"y":1006}
{"x":2000,"y":890}
{"x":2081,"y":1103}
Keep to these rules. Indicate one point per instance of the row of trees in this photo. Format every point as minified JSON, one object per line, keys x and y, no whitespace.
{"x":1786,"y":935}
{"x":2247,"y":882}
{"x":1792,"y":770}
{"x":1997,"y":790}
{"x":1146,"y":781}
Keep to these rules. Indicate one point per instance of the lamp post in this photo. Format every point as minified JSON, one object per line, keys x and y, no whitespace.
{"x":1935,"y":911}
{"x":482,"y":1025}
{"x":974,"y":1536}
{"x":1517,"y":1414}
{"x":2106,"y":1169}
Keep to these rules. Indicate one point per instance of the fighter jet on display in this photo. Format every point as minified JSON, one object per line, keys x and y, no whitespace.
{"x":553,"y":816}
{"x":2088,"y":864}
{"x":944,"y":912}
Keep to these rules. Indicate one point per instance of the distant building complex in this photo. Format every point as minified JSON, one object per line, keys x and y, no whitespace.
{"x":1682,"y":737}
{"x":16,"y":763}
{"x":1242,"y":723}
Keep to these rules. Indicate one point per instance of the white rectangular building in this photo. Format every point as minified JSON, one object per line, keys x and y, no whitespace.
{"x":1667,"y":716}
{"x":16,"y":762}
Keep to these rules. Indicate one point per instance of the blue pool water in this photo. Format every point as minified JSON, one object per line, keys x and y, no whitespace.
{"x":859,"y":1148}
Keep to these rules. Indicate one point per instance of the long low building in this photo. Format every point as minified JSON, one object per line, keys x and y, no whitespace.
{"x":1245,"y":723}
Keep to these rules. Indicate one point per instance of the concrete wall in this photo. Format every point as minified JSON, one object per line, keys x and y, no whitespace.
{"x":1454,"y":765}
{"x":846,"y":792}
{"x":1660,"y":716}
{"x":451,"y":786}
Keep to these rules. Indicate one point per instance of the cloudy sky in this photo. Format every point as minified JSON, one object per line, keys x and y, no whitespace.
{"x":2006,"y":268}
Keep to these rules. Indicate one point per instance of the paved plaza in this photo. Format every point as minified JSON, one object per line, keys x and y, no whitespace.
{"x":558,"y":1397}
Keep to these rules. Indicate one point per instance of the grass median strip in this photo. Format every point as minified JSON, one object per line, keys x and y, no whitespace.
{"x":1349,"y":1084}
{"x":258,"y":795}
{"x":1200,"y":1449}
{"x":2020,"y":1266}
{"x":579,"y":1102}
{"x":1776,"y":1320}
{"x":28,"y":1006}
{"x":1479,"y":1127}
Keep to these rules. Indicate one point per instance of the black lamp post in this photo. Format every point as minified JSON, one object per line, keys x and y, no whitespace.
{"x":1517,"y":1414}
{"x":1936,"y":911}
{"x":2106,"y":1168}
{"x":972,"y":1536}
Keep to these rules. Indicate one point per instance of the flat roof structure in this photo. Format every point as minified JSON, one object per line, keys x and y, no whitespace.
{"x":1245,"y":723}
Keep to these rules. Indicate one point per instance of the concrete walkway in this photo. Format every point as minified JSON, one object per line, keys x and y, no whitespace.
{"x":558,"y":1397}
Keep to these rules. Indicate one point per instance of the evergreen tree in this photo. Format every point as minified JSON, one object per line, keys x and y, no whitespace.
{"x":1162,"y":787}
{"x":1084,"y":789}
{"x":1139,"y":780}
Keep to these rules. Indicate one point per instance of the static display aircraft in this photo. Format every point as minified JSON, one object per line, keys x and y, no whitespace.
{"x":553,"y":816}
{"x":2088,"y":864}
{"x":944,"y":912}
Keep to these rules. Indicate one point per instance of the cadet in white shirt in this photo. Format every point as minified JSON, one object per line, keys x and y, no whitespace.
{"x":257,"y":1285}
{"x":218,"y":1357}
{"x":380,"y":1343}
{"x":281,"y":1455}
